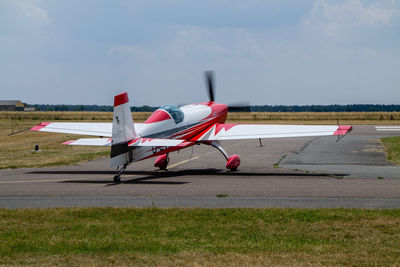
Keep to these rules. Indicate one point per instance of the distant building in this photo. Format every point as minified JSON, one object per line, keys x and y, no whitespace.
{"x":14,"y":105}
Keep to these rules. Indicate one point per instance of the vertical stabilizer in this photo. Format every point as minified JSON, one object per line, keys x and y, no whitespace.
{"x":123,"y":130}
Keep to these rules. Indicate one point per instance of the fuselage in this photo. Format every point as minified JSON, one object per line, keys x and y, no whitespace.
{"x":185,"y":123}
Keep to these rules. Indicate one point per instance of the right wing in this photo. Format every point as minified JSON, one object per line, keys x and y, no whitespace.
{"x":222,"y":131}
{"x":103,"y":129}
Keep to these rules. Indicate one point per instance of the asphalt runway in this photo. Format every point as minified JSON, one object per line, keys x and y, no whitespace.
{"x":312,"y":173}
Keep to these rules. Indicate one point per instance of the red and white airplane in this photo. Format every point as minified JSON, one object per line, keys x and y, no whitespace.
{"x":170,"y":128}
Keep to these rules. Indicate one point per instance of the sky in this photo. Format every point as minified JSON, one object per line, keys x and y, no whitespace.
{"x":272,"y":52}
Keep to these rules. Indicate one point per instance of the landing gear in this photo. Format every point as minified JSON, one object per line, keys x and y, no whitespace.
{"x":233,"y":161}
{"x":162,"y":161}
{"x":117,"y":178}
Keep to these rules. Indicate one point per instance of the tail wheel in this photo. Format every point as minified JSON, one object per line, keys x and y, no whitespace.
{"x":117,"y":179}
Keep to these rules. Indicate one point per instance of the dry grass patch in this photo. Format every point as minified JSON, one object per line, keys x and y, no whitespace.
{"x":392,"y":147}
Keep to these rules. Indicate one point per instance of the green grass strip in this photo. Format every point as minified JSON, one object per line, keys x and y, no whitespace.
{"x":154,"y":236}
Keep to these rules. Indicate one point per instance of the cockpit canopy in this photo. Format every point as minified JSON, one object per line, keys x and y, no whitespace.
{"x":175,"y":113}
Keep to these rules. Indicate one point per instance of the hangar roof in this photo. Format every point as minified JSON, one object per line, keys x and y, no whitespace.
{"x":16,"y":103}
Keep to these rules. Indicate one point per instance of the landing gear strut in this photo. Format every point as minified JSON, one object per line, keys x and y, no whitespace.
{"x":233,"y":161}
{"x":117,"y":178}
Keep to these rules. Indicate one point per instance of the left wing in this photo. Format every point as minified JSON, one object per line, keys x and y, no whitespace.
{"x":224,"y":131}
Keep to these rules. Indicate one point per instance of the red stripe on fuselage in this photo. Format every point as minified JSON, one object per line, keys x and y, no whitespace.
{"x":195,"y":128}
{"x":226,"y":127}
{"x":195,"y":132}
{"x":218,"y":114}
{"x":200,"y":134}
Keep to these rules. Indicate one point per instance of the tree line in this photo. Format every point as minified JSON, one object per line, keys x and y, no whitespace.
{"x":253,"y":108}
{"x":40,"y":107}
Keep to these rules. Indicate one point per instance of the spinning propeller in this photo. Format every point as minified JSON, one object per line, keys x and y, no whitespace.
{"x":237,"y":107}
{"x":209,"y":75}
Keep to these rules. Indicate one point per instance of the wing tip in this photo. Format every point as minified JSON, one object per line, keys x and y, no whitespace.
{"x":39,"y":126}
{"x":68,"y":142}
{"x":343,"y":130}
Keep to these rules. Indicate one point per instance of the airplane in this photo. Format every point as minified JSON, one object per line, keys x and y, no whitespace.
{"x":170,"y":128}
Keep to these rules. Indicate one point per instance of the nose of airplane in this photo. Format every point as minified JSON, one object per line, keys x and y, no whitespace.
{"x":219,"y":109}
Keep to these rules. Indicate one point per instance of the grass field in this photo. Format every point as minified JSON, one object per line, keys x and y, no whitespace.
{"x":16,"y":151}
{"x":392,"y":147}
{"x":213,"y":237}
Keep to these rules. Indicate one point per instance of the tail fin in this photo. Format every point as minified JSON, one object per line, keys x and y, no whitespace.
{"x":123,"y":130}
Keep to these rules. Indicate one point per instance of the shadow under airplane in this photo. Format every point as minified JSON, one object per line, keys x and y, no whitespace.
{"x":151,"y":175}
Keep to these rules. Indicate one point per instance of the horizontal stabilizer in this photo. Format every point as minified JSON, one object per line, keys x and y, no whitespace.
{"x":103,"y":129}
{"x":89,"y":142}
{"x":158,"y":142}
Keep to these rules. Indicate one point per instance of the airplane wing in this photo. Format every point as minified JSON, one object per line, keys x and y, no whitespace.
{"x":223,"y":131}
{"x":103,"y":129}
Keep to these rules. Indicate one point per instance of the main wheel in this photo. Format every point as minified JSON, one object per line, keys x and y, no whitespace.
{"x":117,"y":179}
{"x":233,"y":162}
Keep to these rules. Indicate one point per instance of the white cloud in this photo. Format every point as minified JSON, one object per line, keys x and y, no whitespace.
{"x":214,"y":44}
{"x":197,"y":44}
{"x":32,"y":11}
{"x":342,"y":20}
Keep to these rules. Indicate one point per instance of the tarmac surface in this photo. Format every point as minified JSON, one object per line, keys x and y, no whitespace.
{"x":307,"y":172}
